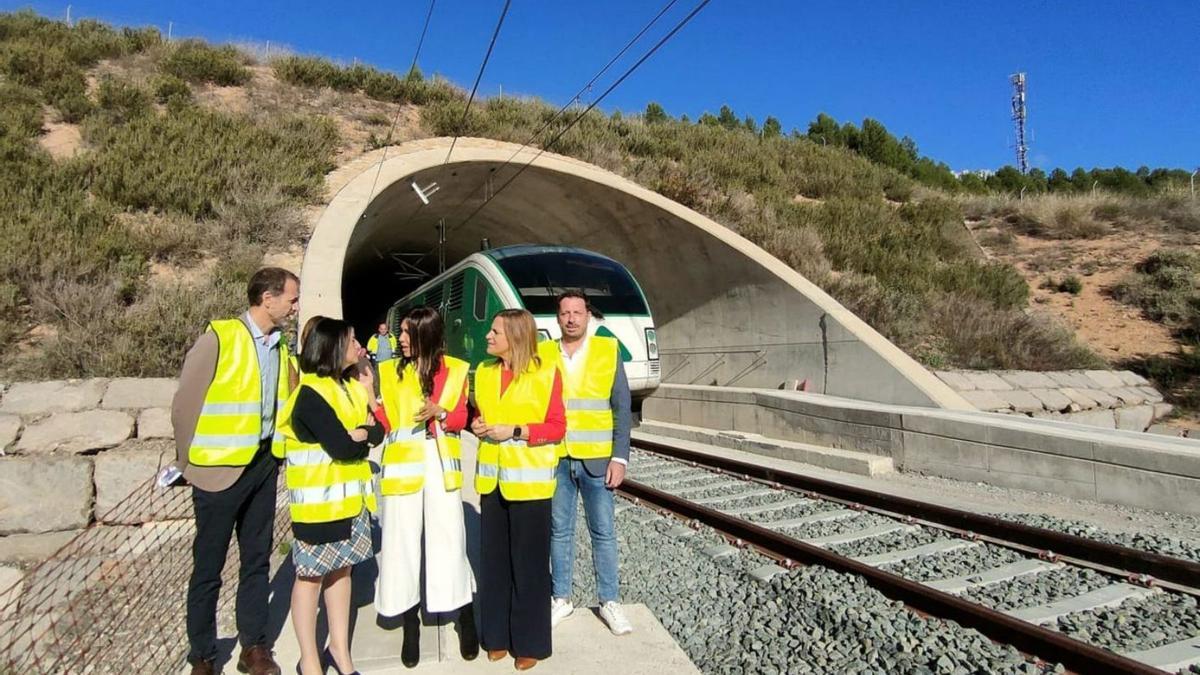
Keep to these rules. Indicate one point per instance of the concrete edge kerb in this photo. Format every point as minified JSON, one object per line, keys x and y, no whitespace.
{"x":1051,"y":438}
{"x":334,"y":228}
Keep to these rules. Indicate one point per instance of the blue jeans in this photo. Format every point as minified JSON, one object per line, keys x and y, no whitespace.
{"x":574,"y":479}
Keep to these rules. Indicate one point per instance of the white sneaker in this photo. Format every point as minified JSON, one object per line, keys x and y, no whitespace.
{"x":560,"y":608}
{"x":614,"y":616}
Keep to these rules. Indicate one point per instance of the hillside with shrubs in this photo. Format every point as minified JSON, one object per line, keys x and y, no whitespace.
{"x":145,"y":180}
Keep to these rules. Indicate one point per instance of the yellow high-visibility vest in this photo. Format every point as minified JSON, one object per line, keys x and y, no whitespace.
{"x":586,"y":393}
{"x":230,"y":423}
{"x":403,"y":461}
{"x":373,"y":345}
{"x":320,"y":488}
{"x":524,"y":472}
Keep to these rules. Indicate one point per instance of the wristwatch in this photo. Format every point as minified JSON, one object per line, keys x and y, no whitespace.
{"x":442,"y":416}
{"x":517,"y":433}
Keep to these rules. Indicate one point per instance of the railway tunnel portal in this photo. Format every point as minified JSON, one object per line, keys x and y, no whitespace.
{"x":727,"y":312}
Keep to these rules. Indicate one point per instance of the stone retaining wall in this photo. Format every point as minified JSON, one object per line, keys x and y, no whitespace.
{"x":1110,"y":399}
{"x":71,"y":450}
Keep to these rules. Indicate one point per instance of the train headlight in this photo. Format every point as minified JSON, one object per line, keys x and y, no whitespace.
{"x":651,"y":344}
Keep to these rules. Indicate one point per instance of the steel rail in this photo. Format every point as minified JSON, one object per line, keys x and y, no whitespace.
{"x":1166,"y":568}
{"x":1024,"y":636}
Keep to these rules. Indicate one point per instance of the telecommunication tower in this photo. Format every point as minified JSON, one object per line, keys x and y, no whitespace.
{"x":1018,"y":116}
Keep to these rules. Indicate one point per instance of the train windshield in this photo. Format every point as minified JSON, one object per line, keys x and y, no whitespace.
{"x":539,"y":278}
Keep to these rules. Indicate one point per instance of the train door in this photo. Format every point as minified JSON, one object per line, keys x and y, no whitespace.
{"x":454,"y":309}
{"x":480,"y":304}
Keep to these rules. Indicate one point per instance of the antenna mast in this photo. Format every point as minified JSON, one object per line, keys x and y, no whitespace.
{"x":1018,"y":116}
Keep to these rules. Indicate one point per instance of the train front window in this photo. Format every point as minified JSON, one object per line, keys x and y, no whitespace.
{"x":540,"y":278}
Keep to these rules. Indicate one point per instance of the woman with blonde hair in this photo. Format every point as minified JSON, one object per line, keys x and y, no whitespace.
{"x":424,"y":396}
{"x":328,"y":429}
{"x":520,"y":423}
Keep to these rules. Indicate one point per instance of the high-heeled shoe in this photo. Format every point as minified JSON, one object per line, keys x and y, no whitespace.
{"x":329,"y":662}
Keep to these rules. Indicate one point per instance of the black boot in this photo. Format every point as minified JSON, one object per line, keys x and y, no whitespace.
{"x":468,"y":637}
{"x":410,"y":652}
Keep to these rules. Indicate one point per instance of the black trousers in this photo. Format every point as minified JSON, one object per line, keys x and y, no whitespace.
{"x":514,"y":584}
{"x":248,"y":508}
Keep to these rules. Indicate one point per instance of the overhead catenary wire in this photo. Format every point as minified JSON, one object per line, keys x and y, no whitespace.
{"x":658,"y":45}
{"x":578,"y":95}
{"x":482,"y":66}
{"x":396,"y":119}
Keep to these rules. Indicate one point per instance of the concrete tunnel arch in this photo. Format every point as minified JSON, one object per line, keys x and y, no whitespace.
{"x":728,"y":313}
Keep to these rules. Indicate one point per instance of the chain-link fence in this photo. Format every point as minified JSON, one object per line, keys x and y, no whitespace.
{"x":112,"y":600}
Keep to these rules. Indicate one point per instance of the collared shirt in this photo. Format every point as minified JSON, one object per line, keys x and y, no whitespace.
{"x":267,"y":348}
{"x":573,"y":362}
{"x":383,"y":347}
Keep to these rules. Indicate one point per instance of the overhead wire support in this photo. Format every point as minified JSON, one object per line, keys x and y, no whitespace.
{"x":396,"y":119}
{"x":478,"y":77}
{"x":666,"y":38}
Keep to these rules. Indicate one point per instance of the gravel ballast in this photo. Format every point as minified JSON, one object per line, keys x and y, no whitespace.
{"x":1140,"y":623}
{"x":1032,"y":590}
{"x":809,"y":620}
{"x":894,"y":541}
{"x":955,"y":563}
{"x":1154,"y":543}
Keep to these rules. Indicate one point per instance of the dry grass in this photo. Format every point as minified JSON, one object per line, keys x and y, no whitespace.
{"x":1087,"y":216}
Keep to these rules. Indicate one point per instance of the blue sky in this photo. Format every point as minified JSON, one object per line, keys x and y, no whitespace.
{"x":1110,"y":83}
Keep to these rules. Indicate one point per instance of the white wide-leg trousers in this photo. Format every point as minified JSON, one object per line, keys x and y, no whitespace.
{"x":438,"y":514}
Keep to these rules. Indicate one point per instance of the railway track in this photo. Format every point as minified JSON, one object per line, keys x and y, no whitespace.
{"x":1006,"y":580}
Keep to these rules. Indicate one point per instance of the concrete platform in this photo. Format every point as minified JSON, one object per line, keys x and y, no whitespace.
{"x":582,"y":645}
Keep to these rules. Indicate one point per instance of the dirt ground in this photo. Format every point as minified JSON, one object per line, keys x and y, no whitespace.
{"x":1113,"y":329}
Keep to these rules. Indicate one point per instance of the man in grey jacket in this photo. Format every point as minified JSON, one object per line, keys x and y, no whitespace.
{"x":596,"y":394}
{"x":235,"y":495}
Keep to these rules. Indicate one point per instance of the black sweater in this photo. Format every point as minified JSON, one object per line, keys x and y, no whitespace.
{"x":314,"y":421}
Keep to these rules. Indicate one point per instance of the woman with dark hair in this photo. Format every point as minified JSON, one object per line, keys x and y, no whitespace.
{"x":424,"y":396}
{"x":520,"y":423}
{"x":328,"y":430}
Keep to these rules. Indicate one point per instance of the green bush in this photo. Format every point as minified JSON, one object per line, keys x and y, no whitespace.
{"x":99,"y":335}
{"x":121,"y":101}
{"x":309,"y":71}
{"x":51,"y":231}
{"x":315,"y":72}
{"x":193,"y":159}
{"x":50,"y":56}
{"x":199,"y":62}
{"x":974,"y":335}
{"x":1071,"y":284}
{"x":1166,"y":287}
{"x":170,"y":89}
{"x":141,"y":39}
{"x":20,"y":111}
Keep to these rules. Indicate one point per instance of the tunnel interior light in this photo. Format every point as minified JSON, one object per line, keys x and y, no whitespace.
{"x":425,"y":192}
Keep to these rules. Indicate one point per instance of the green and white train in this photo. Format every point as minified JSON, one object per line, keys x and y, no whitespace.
{"x":530,"y":277}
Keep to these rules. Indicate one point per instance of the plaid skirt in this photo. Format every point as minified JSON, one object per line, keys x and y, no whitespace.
{"x":314,"y":560}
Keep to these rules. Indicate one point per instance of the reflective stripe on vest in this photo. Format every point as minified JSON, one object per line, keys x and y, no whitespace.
{"x":586,"y":392}
{"x":320,"y":488}
{"x":405,"y":446}
{"x":523,"y":472}
{"x":229,"y":429}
